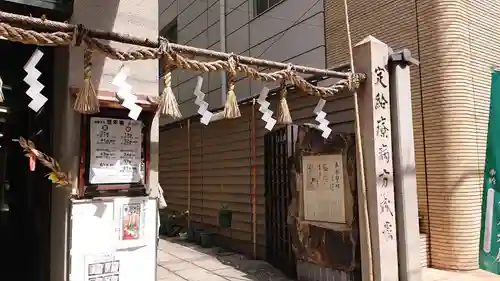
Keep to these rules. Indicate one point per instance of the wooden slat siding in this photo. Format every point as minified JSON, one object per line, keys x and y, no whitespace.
{"x":226,"y":173}
{"x":458,"y":46}
{"x":197,"y":211}
{"x":173,"y":166}
{"x":339,"y":109}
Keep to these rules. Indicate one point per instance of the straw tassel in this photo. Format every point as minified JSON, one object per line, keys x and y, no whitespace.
{"x":86,"y":101}
{"x":284,"y":116}
{"x":167,"y":103}
{"x":231,"y":109}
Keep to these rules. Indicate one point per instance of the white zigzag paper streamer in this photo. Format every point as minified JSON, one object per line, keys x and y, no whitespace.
{"x":267,"y":114}
{"x":206,"y":115}
{"x":320,"y":117}
{"x":35,"y":89}
{"x":125,"y":93}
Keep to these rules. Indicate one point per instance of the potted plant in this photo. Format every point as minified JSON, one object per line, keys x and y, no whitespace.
{"x":225,"y":216}
{"x":205,"y":239}
{"x":197,"y":235}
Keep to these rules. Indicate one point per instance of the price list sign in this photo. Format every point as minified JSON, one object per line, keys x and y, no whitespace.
{"x":115,"y":151}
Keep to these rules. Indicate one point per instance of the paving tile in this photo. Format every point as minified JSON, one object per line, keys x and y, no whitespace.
{"x":234,"y":274}
{"x":170,"y":276}
{"x":167,"y":246}
{"x":210,"y":263}
{"x":189,"y":254}
{"x":162,"y":273}
{"x":164,"y":257}
{"x":182,"y":261}
{"x":199,"y":274}
{"x":176,"y":266}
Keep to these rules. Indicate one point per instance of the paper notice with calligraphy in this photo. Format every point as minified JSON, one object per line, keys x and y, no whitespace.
{"x":115,"y":151}
{"x":323,"y":192}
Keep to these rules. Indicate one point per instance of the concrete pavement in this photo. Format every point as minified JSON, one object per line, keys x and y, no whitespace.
{"x":179,"y":260}
{"x":182,"y":261}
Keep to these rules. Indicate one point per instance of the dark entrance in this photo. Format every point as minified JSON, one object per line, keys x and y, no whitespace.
{"x":278,"y":150}
{"x":25,"y":196}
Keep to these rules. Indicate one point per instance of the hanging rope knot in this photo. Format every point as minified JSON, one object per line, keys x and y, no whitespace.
{"x":79,"y":34}
{"x":288,"y":73}
{"x":354,"y":81}
{"x":164,"y":47}
{"x":233,"y":62}
{"x":284,"y":116}
{"x":231,"y":109}
{"x":167,"y":102}
{"x":87,"y":101}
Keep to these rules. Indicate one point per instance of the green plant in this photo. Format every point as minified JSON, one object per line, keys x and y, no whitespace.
{"x":206,"y":239}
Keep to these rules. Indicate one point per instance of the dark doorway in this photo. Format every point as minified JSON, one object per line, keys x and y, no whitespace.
{"x":25,"y":195}
{"x":278,"y":149}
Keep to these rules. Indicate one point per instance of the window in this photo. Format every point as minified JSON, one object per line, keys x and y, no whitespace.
{"x":169,"y":32}
{"x":263,"y":5}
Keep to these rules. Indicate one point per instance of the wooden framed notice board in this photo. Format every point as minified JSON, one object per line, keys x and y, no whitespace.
{"x":115,"y":151}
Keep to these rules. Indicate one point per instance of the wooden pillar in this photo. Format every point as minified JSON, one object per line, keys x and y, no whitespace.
{"x":371,"y":57}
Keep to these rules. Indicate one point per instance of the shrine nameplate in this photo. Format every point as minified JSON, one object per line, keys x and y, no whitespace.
{"x":115,"y":151}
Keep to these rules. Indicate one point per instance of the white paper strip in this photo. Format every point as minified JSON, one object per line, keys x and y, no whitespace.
{"x":35,"y":87}
{"x":206,"y":115}
{"x":267,"y":114}
{"x":320,"y":117}
{"x":125,"y":93}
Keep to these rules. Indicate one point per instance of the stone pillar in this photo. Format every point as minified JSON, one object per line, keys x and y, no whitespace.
{"x":371,"y":57}
{"x":405,"y":180}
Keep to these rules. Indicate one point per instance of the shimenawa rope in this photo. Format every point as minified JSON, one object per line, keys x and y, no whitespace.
{"x":21,"y":35}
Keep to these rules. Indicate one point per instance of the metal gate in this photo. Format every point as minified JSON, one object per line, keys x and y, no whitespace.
{"x":278,"y":149}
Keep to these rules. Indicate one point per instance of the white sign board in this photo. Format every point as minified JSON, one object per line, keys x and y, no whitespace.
{"x":115,"y":151}
{"x":323,"y":188}
{"x":113,"y":239}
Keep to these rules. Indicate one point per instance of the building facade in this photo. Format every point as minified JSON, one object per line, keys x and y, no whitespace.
{"x":456,"y":44}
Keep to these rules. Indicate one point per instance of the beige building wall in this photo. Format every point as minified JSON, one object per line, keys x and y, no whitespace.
{"x":457,"y":43}
{"x":136,"y":17}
